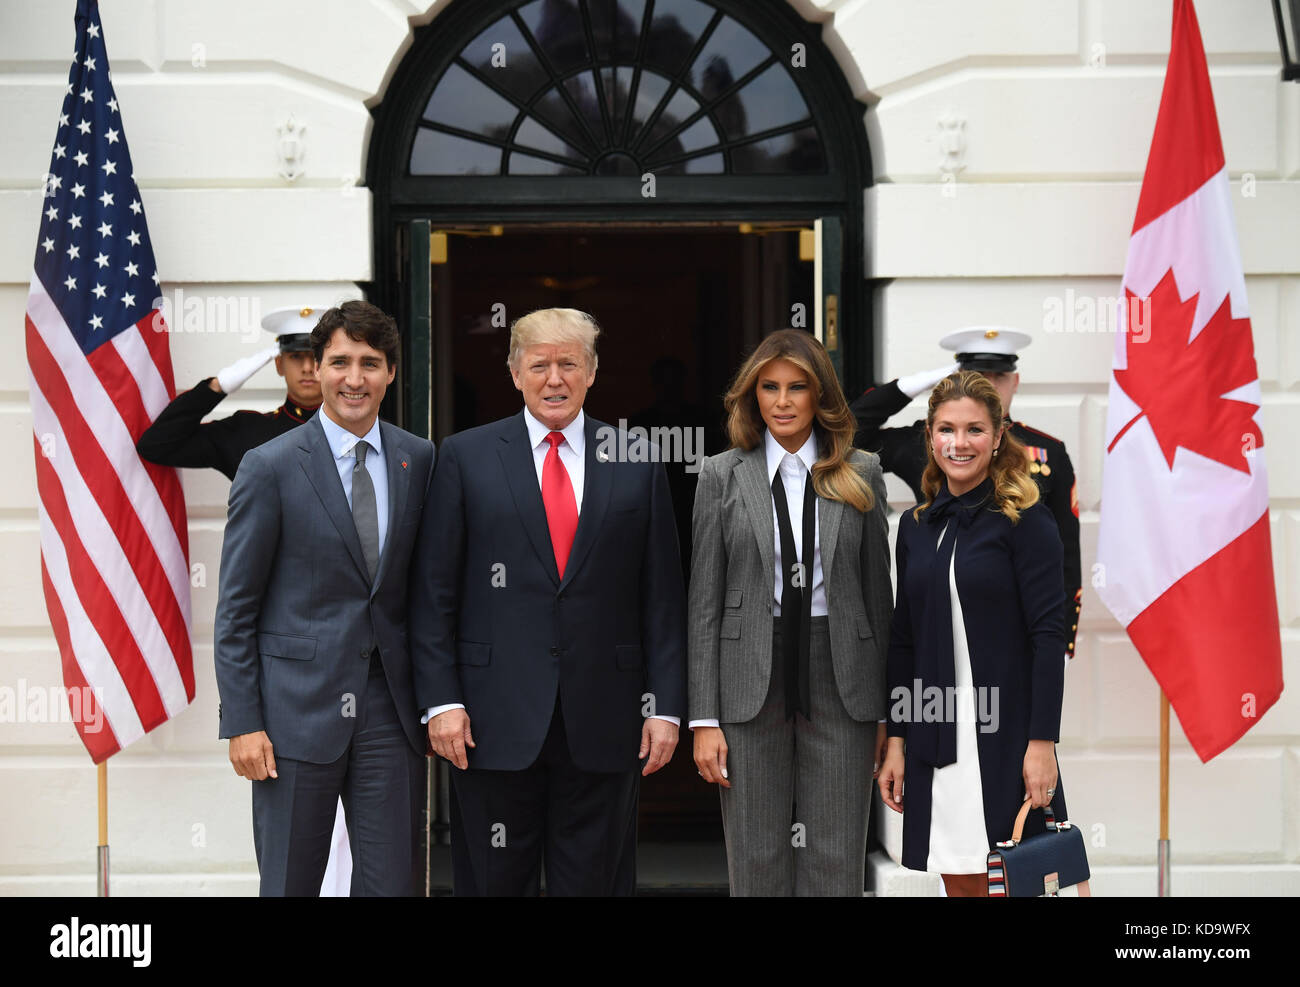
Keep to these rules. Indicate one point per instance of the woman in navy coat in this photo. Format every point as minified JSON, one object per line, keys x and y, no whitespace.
{"x":974,"y":671}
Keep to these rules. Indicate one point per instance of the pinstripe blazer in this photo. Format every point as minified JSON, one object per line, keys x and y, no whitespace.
{"x":733,"y":568}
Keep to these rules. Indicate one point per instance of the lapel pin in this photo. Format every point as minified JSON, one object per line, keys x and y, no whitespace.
{"x":403,"y":464}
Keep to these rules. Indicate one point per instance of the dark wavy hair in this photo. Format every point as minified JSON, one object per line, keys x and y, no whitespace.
{"x":363,"y":323}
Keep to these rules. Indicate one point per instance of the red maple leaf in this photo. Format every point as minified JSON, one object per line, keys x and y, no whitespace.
{"x":1179,"y":384}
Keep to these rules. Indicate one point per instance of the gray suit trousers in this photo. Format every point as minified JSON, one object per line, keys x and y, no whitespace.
{"x":795,"y":817}
{"x":382,"y":784}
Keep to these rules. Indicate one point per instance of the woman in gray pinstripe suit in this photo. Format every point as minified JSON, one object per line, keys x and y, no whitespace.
{"x":790,"y":606}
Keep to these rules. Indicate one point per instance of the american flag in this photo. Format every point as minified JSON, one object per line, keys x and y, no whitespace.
{"x":114,"y":546}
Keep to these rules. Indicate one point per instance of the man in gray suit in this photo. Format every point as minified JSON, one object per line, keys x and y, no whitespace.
{"x":311,"y":638}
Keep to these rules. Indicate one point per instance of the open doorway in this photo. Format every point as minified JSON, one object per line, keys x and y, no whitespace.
{"x":623,"y":146}
{"x":679,"y":306}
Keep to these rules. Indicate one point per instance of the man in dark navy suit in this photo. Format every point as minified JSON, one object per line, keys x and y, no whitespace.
{"x":548,"y":629}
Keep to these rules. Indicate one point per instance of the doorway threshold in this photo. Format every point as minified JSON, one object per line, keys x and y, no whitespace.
{"x":664,"y":870}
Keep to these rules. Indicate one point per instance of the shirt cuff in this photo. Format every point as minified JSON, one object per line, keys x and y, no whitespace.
{"x":433,"y":711}
{"x":711,"y":722}
{"x":674,"y":720}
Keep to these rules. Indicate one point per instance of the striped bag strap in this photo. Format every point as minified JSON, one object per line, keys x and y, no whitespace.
{"x":996,"y":872}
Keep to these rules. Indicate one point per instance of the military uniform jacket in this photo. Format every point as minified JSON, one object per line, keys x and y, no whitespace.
{"x":902,"y":452}
{"x":179,"y":438}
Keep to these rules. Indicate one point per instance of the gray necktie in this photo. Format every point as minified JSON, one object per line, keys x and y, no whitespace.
{"x":364,"y":514}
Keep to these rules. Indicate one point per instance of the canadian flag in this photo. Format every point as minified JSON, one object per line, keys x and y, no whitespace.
{"x":1185,"y":560}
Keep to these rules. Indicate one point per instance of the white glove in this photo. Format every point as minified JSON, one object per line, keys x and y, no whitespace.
{"x":914,"y":385}
{"x":236,"y":375}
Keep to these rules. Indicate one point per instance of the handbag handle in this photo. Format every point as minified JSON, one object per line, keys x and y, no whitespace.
{"x":1018,"y":830}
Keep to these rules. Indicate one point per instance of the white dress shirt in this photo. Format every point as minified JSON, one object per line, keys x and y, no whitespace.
{"x":343,"y":444}
{"x":572,"y":452}
{"x":795,"y":469}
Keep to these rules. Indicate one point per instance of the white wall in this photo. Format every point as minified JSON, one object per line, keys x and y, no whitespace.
{"x":1056,"y":134}
{"x":203,"y":88}
{"x":1058,"y":101}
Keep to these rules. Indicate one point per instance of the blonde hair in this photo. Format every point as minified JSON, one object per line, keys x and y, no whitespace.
{"x":833,"y":424}
{"x":547,"y":326}
{"x":1013,"y":488}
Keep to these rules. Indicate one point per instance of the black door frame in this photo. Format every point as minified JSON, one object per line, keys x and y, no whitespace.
{"x":482,"y":200}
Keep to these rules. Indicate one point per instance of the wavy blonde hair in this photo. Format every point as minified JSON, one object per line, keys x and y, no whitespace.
{"x":1013,"y":487}
{"x":833,"y":424}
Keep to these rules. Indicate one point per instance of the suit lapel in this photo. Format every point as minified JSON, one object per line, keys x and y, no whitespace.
{"x":751,"y":474}
{"x":521,"y":476}
{"x":830,"y":513}
{"x":317,"y":461}
{"x":397,"y":460}
{"x":597,"y":482}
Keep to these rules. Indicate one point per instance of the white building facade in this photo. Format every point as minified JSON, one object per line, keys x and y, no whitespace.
{"x":1006,"y":140}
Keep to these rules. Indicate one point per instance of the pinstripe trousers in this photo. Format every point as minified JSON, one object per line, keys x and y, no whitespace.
{"x":795,"y":817}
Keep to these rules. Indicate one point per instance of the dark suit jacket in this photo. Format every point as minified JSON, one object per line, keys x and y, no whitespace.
{"x":296,"y":613}
{"x":496,"y":628}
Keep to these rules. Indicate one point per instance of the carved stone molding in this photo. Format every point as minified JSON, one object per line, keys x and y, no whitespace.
{"x":291,"y":149}
{"x":952,"y":142}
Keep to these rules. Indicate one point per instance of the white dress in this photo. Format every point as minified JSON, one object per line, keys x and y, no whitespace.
{"x":337,"y":882}
{"x":959,"y":843}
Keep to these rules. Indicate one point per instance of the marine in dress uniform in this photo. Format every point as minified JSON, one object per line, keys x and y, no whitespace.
{"x":179,"y":437}
{"x":993,"y":351}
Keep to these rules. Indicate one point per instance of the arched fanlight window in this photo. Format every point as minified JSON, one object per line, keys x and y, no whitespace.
{"x":613,"y":88}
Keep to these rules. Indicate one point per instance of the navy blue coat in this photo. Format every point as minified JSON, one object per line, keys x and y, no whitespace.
{"x":1009,"y":580}
{"x":497,"y":629}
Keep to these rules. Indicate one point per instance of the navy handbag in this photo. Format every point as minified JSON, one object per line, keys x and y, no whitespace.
{"x":1041,"y":864}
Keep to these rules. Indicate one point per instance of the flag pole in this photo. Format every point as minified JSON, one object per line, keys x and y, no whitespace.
{"x":1162,"y":845}
{"x":101,"y":876}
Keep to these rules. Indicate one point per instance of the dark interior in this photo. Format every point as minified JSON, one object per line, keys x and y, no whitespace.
{"x":679,"y":308}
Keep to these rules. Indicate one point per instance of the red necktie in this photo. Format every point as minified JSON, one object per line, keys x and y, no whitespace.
{"x":557,"y":498}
